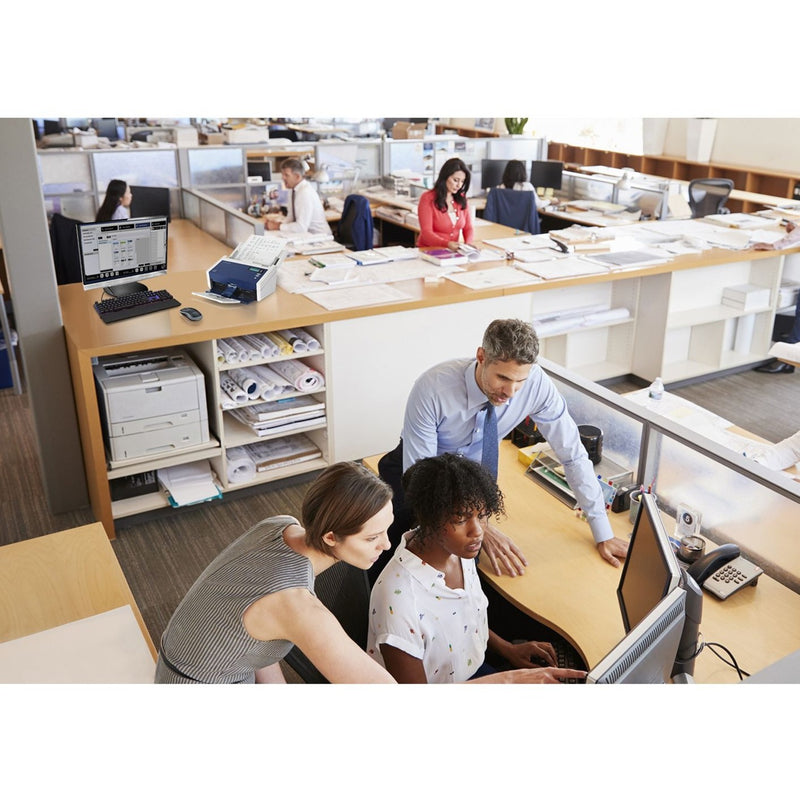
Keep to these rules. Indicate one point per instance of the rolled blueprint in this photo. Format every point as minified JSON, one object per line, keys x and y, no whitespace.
{"x":243,"y":379}
{"x":241,"y":467}
{"x":300,"y":375}
{"x":262,"y":344}
{"x":276,"y":384}
{"x":244,"y":351}
{"x":283,"y":346}
{"x":231,"y":390}
{"x":226,"y":353}
{"x":302,"y":334}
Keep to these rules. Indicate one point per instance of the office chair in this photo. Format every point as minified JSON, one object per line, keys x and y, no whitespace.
{"x":355,"y":228}
{"x":344,"y":590}
{"x":150,"y":201}
{"x":514,"y":209}
{"x":708,"y":196}
{"x":64,"y":244}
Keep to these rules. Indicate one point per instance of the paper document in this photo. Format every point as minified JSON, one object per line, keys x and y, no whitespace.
{"x":356,"y":296}
{"x":189,"y":483}
{"x":489,"y":278}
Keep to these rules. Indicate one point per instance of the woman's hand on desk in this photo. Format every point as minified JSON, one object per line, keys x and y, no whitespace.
{"x":501,"y":552}
{"x":612,"y":550}
{"x":522,"y":654}
{"x":273,"y":224}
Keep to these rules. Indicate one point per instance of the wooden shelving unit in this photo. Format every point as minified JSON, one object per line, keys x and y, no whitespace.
{"x":751,"y":180}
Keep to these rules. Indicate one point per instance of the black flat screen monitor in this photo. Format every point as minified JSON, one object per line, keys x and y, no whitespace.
{"x":259,"y":169}
{"x":546,"y":174}
{"x":150,"y":201}
{"x":116,"y":255}
{"x":492,"y":170}
{"x":106,"y":127}
{"x":653,"y":604}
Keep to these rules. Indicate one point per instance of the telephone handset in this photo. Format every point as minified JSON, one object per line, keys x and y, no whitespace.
{"x":724,"y":570}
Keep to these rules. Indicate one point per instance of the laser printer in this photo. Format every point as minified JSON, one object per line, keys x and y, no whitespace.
{"x":241,"y":281}
{"x":151,"y":403}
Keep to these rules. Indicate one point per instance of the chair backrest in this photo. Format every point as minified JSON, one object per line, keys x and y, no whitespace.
{"x":150,"y":201}
{"x":64,"y":244}
{"x":355,"y":229}
{"x":708,"y":195}
{"x":344,"y":590}
{"x":513,"y":208}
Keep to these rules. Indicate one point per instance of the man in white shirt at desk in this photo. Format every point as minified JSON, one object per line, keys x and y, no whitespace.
{"x":305,"y":211}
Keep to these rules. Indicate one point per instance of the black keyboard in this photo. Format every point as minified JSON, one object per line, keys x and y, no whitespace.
{"x":567,"y":657}
{"x":134,"y":305}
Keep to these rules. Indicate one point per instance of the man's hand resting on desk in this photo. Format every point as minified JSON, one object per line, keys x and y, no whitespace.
{"x":273,"y":224}
{"x":612,"y":550}
{"x":503,"y":555}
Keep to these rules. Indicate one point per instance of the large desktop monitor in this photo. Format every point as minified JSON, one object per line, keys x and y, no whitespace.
{"x":661,"y":608}
{"x":492,"y":170}
{"x":546,"y":174}
{"x":116,"y":255}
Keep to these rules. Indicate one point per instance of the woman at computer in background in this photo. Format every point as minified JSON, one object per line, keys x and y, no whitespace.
{"x":515,"y":177}
{"x":444,"y":216}
{"x":256,"y":599}
{"x":116,"y":203}
{"x":428,"y":614}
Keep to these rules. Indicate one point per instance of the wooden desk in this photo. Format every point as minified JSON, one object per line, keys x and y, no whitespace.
{"x":568,"y":587}
{"x":59,"y":578}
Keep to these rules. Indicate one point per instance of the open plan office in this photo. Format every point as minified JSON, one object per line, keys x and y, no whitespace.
{"x":622,"y":279}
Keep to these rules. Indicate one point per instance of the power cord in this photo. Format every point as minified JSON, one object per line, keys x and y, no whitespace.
{"x":702,"y":645}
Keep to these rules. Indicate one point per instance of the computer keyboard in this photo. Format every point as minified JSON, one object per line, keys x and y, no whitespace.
{"x":134,"y":305}
{"x":567,"y":657}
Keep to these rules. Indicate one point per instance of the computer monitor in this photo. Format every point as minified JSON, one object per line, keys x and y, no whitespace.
{"x":546,"y":174}
{"x":106,"y":127}
{"x":150,"y":201}
{"x":492,"y":170}
{"x":259,"y":169}
{"x":659,"y":606}
{"x":116,"y":255}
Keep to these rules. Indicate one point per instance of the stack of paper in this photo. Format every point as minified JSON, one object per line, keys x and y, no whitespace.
{"x":186,"y":484}
{"x":283,"y":452}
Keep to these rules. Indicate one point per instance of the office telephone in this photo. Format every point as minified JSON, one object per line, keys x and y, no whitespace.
{"x":724,"y":571}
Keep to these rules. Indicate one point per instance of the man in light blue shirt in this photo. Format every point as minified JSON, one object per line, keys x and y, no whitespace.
{"x":445,"y":413}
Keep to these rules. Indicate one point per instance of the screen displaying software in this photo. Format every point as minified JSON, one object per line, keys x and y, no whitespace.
{"x":123,"y":248}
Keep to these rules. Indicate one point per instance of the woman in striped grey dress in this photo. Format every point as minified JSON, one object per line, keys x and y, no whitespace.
{"x":256,"y":599}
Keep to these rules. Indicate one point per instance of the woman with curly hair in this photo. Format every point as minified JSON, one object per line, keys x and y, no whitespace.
{"x":428,"y":613}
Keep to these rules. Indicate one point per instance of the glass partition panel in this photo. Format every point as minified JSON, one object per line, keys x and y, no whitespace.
{"x":191,"y":207}
{"x":733,"y":507}
{"x":210,"y":165}
{"x":240,"y":229}
{"x":585,"y":187}
{"x":75,"y":206}
{"x":231,"y":196}
{"x":622,"y":435}
{"x":141,"y":167}
{"x":212,"y":220}
{"x":64,"y":172}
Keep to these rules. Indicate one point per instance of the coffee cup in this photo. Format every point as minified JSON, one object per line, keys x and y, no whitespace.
{"x":592,"y":440}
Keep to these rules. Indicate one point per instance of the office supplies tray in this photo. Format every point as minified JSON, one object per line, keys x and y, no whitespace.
{"x":548,"y":472}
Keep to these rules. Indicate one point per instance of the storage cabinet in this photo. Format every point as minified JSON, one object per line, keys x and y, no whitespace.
{"x":745,"y":179}
{"x":228,"y":432}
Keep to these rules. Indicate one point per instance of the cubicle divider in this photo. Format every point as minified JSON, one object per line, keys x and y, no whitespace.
{"x":218,"y":218}
{"x":650,"y":196}
{"x":736,"y":499}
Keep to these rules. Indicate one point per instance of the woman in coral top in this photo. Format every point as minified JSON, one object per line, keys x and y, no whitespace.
{"x":443,"y":212}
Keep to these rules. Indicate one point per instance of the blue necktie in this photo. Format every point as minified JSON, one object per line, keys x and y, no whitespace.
{"x":489,"y":451}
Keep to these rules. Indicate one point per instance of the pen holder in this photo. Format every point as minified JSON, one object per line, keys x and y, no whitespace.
{"x":636,"y":501}
{"x":592,"y":440}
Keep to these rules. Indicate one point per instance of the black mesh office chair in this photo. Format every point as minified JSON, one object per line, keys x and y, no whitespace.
{"x":344,"y":590}
{"x":708,"y":196}
{"x":64,"y":244}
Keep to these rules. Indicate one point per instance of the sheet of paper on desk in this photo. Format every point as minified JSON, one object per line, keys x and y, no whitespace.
{"x":356,"y":296}
{"x":103,"y":648}
{"x":489,"y":278}
{"x":513,"y":243}
{"x":189,"y":483}
{"x":569,"y":267}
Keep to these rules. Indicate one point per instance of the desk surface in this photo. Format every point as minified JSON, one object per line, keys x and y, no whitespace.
{"x":59,"y":578}
{"x":569,"y":588}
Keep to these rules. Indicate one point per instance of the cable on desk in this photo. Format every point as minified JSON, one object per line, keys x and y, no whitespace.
{"x":732,"y":663}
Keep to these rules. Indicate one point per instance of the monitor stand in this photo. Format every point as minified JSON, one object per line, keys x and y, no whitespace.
{"x":124,"y":289}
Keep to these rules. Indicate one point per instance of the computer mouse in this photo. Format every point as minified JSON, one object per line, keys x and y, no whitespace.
{"x":191,"y":313}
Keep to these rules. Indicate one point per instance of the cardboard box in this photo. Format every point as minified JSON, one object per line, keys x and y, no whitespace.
{"x":408,"y":130}
{"x":215,"y":137}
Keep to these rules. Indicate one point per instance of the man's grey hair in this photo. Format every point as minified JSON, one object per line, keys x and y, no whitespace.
{"x":510,"y":340}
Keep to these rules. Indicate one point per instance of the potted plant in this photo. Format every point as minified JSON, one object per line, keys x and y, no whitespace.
{"x":516,"y":125}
